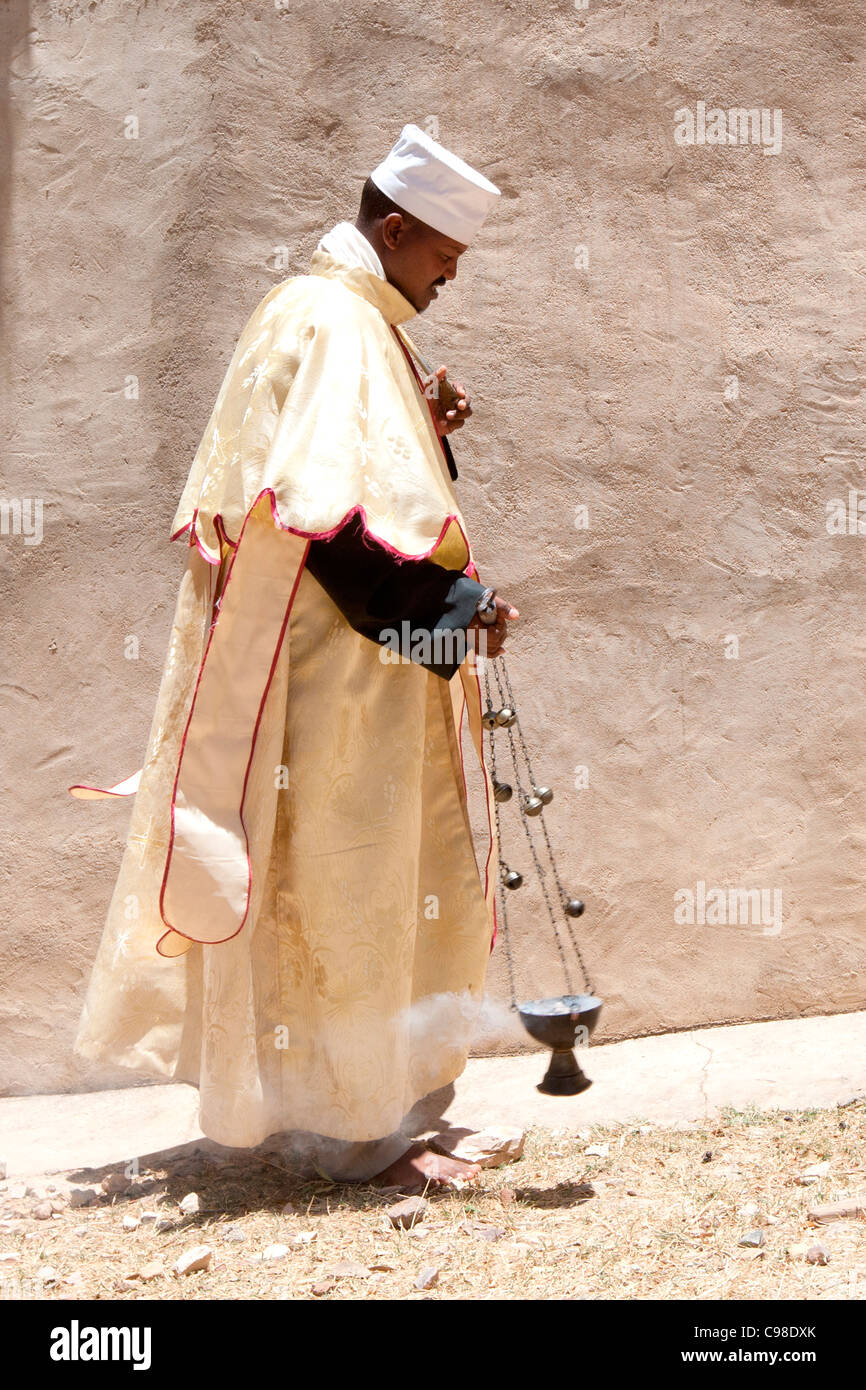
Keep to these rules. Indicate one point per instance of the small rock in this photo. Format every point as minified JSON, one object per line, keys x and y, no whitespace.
{"x":42,"y":1212}
{"x":34,"y":1192}
{"x":80,"y":1231}
{"x":124,"y":1286}
{"x":74,"y":1278}
{"x":17,"y":1191}
{"x":598,"y":1151}
{"x":817,"y":1170}
{"x":489,"y":1148}
{"x":403,"y":1215}
{"x":148,"y":1272}
{"x":838,"y":1211}
{"x":2,"y":1169}
{"x":322,"y":1286}
{"x":9,"y":1257}
{"x":149,"y":1216}
{"x":489,"y":1232}
{"x":817,"y":1255}
{"x":196,"y":1257}
{"x":427,"y":1278}
{"x":48,"y":1274}
{"x":234,"y":1234}
{"x":302,"y":1238}
{"x":115,"y":1183}
{"x":506,"y":1196}
{"x":144,"y":1188}
{"x":708,"y":1156}
{"x":164,"y":1224}
{"x":190,"y":1204}
{"x":749,"y":1209}
{"x":131,"y":1223}
{"x":275,"y":1252}
{"x":753,"y":1239}
{"x":289,"y":1209}
{"x":348,"y":1269}
{"x":83,"y":1196}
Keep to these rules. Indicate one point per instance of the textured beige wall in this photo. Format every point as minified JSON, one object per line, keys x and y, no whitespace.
{"x":694,"y":377}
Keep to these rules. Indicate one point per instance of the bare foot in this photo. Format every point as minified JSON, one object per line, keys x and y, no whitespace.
{"x":419,"y":1168}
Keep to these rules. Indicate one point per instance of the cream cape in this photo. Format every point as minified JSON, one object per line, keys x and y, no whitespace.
{"x":298,"y":925}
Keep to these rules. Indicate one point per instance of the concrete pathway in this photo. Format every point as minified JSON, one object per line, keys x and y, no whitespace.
{"x":674,"y":1079}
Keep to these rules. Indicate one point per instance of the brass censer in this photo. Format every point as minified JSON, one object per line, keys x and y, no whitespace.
{"x":565,"y":1021}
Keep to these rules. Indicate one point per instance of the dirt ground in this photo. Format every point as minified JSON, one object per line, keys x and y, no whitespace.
{"x":616,"y":1212}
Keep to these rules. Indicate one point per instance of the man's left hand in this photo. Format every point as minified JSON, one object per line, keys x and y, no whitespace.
{"x":452,"y":419}
{"x":488,"y":639}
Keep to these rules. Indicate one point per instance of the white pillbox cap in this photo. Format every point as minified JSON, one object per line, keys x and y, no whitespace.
{"x":431,"y":183}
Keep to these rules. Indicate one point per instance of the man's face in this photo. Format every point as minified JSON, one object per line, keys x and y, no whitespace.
{"x":418,"y":259}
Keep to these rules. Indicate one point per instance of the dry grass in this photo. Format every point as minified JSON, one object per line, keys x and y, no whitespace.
{"x":652,"y":1219}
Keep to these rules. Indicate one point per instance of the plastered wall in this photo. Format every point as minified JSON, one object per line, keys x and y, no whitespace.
{"x":662,"y":328}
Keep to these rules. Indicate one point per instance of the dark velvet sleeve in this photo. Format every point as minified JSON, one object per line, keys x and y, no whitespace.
{"x":380,"y":597}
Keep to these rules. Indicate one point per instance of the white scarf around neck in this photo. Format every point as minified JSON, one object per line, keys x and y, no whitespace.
{"x":349,"y":245}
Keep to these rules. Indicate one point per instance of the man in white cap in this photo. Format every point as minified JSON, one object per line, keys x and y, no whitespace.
{"x":299,"y":927}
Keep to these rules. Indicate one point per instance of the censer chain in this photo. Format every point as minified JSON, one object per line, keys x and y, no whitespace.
{"x":506,"y":696}
{"x":501,"y":887}
{"x":509,"y":696}
{"x":541,"y":877}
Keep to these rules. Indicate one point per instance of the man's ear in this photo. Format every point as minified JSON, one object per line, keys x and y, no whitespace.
{"x":394,"y":229}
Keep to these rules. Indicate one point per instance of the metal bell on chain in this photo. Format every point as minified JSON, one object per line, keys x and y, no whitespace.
{"x":511,"y":878}
{"x":505,"y":717}
{"x":544,"y":794}
{"x":533,"y":805}
{"x":574,"y":907}
{"x":488,"y":718}
{"x":502,"y":791}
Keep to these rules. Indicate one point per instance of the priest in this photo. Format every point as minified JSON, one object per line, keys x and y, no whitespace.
{"x":299,"y":926}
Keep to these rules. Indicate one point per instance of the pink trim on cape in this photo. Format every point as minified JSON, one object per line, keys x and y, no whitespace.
{"x":262,"y":702}
{"x":358,"y":510}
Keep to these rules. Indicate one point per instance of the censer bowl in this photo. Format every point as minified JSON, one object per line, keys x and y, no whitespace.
{"x":554,"y":1022}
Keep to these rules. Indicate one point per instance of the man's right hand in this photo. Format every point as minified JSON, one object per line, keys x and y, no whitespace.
{"x":493,"y":635}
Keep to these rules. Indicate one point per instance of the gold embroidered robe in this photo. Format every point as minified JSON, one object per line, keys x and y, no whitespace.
{"x":298,"y":926}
